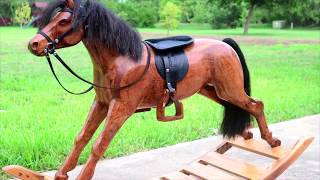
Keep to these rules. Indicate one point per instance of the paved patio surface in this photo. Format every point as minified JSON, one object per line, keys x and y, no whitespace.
{"x":154,"y":163}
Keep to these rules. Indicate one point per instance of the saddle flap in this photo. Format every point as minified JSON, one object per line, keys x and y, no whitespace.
{"x":169,"y":43}
{"x":178,"y":65}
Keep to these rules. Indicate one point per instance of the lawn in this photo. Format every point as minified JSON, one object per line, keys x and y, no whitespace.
{"x":39,"y":120}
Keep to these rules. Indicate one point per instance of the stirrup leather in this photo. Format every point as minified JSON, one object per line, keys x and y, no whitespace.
{"x":162,"y":106}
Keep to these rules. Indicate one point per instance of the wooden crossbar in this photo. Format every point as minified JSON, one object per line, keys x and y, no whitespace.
{"x":259,"y":147}
{"x":234,"y":166}
{"x":203,"y":171}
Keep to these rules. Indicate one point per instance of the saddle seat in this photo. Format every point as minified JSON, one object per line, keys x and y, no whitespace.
{"x":172,"y":65}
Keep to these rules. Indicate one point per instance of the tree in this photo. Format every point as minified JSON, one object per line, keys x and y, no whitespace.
{"x":225,"y":15}
{"x":202,"y":13}
{"x":170,"y":16}
{"x":23,"y":14}
{"x":188,"y":10}
{"x":300,"y":12}
{"x":252,"y":5}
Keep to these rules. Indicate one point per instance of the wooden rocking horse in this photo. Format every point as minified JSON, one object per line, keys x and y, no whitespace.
{"x":133,"y":76}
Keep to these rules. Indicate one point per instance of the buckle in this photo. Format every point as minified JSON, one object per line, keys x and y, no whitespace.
{"x":50,"y":48}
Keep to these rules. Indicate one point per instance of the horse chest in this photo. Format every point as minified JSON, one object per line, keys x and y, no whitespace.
{"x":106,"y":80}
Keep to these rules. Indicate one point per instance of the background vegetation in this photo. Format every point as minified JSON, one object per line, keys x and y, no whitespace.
{"x":39,"y":120}
{"x":218,"y":13}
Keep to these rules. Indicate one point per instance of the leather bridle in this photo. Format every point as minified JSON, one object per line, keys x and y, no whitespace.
{"x":51,"y":49}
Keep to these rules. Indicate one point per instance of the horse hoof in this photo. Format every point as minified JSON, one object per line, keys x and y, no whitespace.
{"x":61,"y":177}
{"x":247,"y":135}
{"x":275,"y":142}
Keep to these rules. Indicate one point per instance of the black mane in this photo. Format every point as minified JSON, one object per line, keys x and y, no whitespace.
{"x":102,"y":27}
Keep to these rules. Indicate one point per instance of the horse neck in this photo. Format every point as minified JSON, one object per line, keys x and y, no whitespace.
{"x":103,"y":59}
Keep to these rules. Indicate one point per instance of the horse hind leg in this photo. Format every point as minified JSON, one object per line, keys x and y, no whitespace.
{"x":255,"y":108}
{"x":210,"y":92}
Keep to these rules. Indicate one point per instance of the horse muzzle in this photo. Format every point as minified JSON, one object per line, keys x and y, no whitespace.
{"x":37,"y":46}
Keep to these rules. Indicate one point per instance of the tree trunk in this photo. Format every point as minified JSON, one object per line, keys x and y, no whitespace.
{"x":248,"y":19}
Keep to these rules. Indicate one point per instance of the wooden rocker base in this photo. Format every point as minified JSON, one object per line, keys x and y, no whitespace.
{"x":24,"y":173}
{"x":215,"y":165}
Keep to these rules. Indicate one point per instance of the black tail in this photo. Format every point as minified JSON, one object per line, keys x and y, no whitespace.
{"x":235,"y":119}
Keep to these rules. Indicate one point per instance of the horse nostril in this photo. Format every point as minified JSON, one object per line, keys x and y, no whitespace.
{"x":35,"y":45}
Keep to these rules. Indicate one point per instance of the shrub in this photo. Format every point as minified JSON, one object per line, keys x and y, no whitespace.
{"x":136,"y":13}
{"x":23,"y":13}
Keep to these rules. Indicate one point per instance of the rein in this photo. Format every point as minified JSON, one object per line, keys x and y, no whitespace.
{"x":51,"y":49}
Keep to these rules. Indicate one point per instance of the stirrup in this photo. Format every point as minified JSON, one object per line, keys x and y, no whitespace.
{"x":162,"y":106}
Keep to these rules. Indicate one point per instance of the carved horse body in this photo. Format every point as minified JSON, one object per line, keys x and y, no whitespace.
{"x":217,"y":70}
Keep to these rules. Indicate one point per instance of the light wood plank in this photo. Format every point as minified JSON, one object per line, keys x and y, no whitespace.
{"x":259,"y":147}
{"x":176,"y":176}
{"x":207,"y":172}
{"x":234,"y":166}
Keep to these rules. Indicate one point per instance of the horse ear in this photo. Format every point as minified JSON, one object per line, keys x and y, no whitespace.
{"x":70,"y":4}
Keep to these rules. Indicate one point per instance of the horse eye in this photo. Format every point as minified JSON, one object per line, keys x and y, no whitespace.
{"x":63,"y":22}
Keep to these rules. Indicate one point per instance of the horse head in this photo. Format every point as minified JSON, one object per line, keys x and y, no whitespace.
{"x":57,"y":28}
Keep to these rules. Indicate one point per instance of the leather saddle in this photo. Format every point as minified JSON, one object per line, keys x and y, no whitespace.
{"x":172,"y":65}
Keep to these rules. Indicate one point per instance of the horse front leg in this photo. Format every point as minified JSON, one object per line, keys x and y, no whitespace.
{"x":96,"y":115}
{"x":117,"y":115}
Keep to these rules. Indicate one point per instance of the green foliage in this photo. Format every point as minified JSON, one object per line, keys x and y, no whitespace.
{"x":226,"y":16}
{"x":7,"y":7}
{"x":170,"y":16}
{"x":187,"y":7}
{"x":23,"y":13}
{"x":219,"y":13}
{"x":138,"y":13}
{"x":300,"y":12}
{"x":202,"y":13}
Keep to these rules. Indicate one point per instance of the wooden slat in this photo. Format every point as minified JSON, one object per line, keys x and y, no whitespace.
{"x":259,"y":147}
{"x":24,"y":173}
{"x":207,"y":172}
{"x":234,"y":166}
{"x":176,"y":176}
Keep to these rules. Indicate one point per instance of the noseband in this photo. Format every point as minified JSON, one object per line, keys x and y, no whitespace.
{"x":51,"y":49}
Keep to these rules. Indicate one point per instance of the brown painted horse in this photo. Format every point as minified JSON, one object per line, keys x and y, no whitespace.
{"x":217,"y":70}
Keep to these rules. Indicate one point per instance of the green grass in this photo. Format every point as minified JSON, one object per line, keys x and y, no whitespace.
{"x":39,"y":120}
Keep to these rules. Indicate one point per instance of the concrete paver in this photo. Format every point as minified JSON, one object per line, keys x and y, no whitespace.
{"x":154,"y":163}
